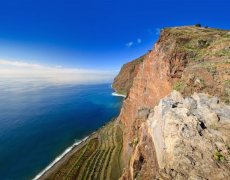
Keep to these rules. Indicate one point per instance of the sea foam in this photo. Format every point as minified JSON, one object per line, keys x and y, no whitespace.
{"x":59,"y":158}
{"x":117,"y":94}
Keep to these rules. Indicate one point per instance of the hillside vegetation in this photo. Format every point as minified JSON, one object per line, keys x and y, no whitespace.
{"x":98,"y":158}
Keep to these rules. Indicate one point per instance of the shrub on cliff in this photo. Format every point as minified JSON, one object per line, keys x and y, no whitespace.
{"x":197,"y":25}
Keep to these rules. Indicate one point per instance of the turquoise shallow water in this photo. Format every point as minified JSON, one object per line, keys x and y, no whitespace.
{"x":39,"y":120}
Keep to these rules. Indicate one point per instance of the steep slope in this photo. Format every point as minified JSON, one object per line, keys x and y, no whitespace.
{"x":187,"y":59}
{"x":124,"y":81}
{"x":161,"y":134}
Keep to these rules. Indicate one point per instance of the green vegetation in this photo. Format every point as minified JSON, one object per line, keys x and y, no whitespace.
{"x":121,"y":91}
{"x":223,"y":52}
{"x":179,"y":86}
{"x":218,"y":156}
{"x":196,"y":42}
{"x":197,"y":25}
{"x":98,"y":159}
{"x":208,"y":65}
{"x":227,"y":62}
{"x":134,"y":142}
{"x":227,"y":82}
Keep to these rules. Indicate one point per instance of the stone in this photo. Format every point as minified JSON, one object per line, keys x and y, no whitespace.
{"x":187,"y":145}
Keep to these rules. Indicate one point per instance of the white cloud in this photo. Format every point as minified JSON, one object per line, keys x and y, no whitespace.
{"x":139,"y":40}
{"x":129,"y":44}
{"x":19,"y":64}
{"x":57,"y":73}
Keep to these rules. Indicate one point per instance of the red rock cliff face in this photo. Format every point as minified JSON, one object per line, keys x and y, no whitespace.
{"x":177,"y":53}
{"x":124,"y":81}
{"x":151,"y":83}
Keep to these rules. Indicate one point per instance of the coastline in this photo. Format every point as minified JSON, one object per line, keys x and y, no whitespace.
{"x":59,"y":159}
{"x":117,"y":94}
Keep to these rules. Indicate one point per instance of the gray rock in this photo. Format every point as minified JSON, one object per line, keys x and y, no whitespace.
{"x":143,"y":113}
{"x":191,"y":136}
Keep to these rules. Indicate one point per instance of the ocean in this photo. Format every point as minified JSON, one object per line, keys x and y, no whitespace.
{"x":39,"y":120}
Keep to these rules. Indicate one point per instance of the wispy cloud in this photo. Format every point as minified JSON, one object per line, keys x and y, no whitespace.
{"x":19,"y":64}
{"x":57,"y":73}
{"x":139,"y":40}
{"x":132,"y":43}
{"x":129,"y":44}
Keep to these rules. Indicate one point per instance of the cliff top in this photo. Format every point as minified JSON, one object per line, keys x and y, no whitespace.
{"x":199,"y":60}
{"x":202,"y":42}
{"x":205,"y":54}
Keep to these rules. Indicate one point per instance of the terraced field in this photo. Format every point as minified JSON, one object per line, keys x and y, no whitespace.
{"x":98,"y":158}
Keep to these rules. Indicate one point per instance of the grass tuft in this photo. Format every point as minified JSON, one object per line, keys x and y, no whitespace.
{"x":179,"y":86}
{"x":218,"y":156}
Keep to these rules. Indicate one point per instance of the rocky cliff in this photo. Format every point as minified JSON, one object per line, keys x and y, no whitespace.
{"x":124,"y":81}
{"x":191,"y":137}
{"x":186,"y":59}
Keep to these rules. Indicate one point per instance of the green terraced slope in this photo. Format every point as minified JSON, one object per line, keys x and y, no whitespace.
{"x":97,"y":158}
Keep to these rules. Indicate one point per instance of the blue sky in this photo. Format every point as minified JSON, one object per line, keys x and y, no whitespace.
{"x":102,"y":34}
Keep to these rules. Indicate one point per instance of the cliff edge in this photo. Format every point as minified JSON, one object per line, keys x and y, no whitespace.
{"x":186,"y":59}
{"x":175,"y":120}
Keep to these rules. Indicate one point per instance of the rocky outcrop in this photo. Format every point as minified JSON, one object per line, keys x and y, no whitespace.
{"x":191,"y":137}
{"x":186,"y":59}
{"x":124,"y":81}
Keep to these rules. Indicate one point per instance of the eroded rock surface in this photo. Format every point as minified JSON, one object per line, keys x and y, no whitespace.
{"x":191,"y":136}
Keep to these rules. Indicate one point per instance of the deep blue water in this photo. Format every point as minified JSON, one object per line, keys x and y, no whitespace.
{"x":39,"y":120}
